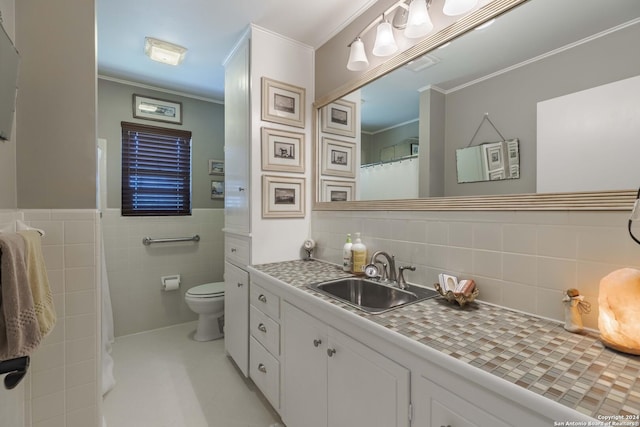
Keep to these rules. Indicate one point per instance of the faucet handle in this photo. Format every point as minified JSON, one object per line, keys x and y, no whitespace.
{"x":402,"y":283}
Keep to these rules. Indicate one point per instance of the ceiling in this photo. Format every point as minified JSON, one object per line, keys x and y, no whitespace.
{"x":209,"y":29}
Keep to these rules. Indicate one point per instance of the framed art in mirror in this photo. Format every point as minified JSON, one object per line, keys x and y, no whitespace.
{"x":338,"y":158}
{"x":282,"y":197}
{"x":338,"y":118}
{"x":282,"y":103}
{"x":338,"y":191}
{"x":282,"y":151}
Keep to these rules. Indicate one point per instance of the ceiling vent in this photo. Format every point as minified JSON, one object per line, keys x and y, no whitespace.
{"x":422,"y":63}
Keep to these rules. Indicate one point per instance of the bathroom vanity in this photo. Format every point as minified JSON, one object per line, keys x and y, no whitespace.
{"x":425,"y":364}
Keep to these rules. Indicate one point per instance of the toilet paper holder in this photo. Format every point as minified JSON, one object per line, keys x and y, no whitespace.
{"x":170,"y":283}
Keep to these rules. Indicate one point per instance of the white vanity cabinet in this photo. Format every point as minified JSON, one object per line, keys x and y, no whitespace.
{"x":236,"y":323}
{"x":445,"y":409}
{"x":330,"y":379}
{"x":264,"y":343}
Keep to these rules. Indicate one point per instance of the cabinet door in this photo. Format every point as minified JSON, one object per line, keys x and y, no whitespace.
{"x":236,"y":140}
{"x":304,"y":362}
{"x":365,"y":388}
{"x":443,"y":408}
{"x":236,"y":315}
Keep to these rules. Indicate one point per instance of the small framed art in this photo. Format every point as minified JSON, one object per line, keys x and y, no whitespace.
{"x":338,"y":118}
{"x":282,"y":103}
{"x":159,"y":110}
{"x":338,"y":158}
{"x":282,"y":197}
{"x":216,"y":167}
{"x":337,"y":191}
{"x":282,"y":151}
{"x":217,"y":188}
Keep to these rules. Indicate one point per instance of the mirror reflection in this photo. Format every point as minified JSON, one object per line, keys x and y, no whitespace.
{"x":411,"y":124}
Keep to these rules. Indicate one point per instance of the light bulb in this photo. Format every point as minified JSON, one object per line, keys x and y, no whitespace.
{"x":419,"y":23}
{"x":385,"y":44}
{"x":357,"y":57}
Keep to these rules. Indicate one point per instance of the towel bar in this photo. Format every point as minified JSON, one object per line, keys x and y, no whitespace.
{"x":148,"y":240}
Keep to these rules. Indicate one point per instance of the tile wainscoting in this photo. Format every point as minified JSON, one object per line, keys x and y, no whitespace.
{"x":62,"y":388}
{"x":520,"y":260}
{"x":134,"y":270}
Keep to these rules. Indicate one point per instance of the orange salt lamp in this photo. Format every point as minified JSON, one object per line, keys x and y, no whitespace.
{"x":619,"y":304}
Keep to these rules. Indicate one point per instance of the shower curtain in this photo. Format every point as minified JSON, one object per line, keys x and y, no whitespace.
{"x":108,"y":380}
{"x":393,"y":180}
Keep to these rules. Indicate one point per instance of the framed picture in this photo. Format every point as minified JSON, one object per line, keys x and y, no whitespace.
{"x":217,"y":188}
{"x":337,"y":191}
{"x":282,"y":103}
{"x":216,"y":167}
{"x":338,"y":118}
{"x":414,"y":148}
{"x":282,"y":197}
{"x":159,"y":110}
{"x":338,"y":158}
{"x":282,"y":151}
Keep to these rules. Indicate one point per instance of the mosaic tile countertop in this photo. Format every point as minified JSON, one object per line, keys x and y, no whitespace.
{"x":575,"y":370}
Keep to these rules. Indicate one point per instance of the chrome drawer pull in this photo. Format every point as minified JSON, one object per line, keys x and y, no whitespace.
{"x":316,"y":343}
{"x":262,"y":328}
{"x":262,"y":368}
{"x":262,"y":298}
{"x":331,"y":351}
{"x":233,"y":250}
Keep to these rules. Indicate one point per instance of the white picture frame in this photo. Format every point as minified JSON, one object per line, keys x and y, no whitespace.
{"x":337,"y":191}
{"x":283,"y":197}
{"x":338,"y":118}
{"x":216,"y":167}
{"x":282,"y":151}
{"x":338,"y":158}
{"x":283,"y":103}
{"x":159,"y":110}
{"x":217,"y":188}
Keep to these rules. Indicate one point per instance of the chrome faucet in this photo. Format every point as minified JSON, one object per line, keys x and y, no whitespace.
{"x":391,"y":262}
{"x":402,"y":283}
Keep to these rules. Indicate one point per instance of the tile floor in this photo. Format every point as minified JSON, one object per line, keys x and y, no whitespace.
{"x":166,"y":379}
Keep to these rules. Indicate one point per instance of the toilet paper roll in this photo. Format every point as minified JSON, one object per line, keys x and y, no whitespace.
{"x":171,"y":284}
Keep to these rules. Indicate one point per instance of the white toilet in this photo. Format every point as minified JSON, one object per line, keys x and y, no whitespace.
{"x":208,"y":302}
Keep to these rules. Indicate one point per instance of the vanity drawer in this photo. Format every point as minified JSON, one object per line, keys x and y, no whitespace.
{"x":265,"y":301}
{"x":264,"y":370}
{"x":237,"y":250}
{"x":265,"y":330}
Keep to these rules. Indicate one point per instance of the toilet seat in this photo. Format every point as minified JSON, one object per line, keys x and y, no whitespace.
{"x":208,"y":290}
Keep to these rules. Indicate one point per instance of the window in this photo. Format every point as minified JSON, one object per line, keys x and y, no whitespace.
{"x":156,"y":171}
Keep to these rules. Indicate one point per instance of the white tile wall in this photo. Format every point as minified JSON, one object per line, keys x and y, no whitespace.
{"x":62,"y":388}
{"x":134,"y":270}
{"x":522,"y":260}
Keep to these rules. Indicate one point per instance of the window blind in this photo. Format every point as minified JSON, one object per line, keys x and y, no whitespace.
{"x":156,"y":170}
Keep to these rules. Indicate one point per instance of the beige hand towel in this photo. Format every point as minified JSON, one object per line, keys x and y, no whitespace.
{"x":19,"y":331}
{"x":39,"y":282}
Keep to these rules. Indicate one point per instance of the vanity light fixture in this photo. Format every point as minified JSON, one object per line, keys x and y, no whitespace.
{"x":357,"y":56}
{"x":458,"y":7}
{"x":162,"y":51}
{"x":385,"y":44}
{"x":418,"y":23}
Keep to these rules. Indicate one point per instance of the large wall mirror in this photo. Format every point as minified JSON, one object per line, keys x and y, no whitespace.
{"x":551,"y":84}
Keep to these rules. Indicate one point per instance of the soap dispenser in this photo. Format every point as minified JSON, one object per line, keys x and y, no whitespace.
{"x":347,"y":261}
{"x":359,"y":256}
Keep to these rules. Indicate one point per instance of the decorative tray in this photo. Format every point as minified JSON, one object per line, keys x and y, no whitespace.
{"x":461,"y":299}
